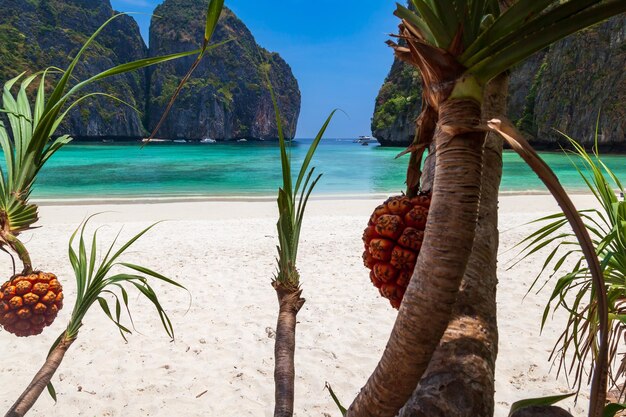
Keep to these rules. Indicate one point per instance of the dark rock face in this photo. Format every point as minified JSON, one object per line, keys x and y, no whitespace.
{"x":227,"y":97}
{"x":35,"y":34}
{"x":577,"y":78}
{"x":563,"y":88}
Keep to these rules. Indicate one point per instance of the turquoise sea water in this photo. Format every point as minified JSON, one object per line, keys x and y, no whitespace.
{"x":105,"y":170}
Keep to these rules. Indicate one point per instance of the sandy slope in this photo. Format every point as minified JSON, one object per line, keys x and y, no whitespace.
{"x":221,"y":362}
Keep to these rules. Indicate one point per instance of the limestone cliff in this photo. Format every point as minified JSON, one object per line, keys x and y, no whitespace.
{"x":226,"y":98}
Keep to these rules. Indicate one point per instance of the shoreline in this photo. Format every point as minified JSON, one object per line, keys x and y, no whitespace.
{"x":129,"y":200}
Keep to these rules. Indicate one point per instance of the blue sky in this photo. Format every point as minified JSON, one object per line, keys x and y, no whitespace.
{"x":336,"y":50}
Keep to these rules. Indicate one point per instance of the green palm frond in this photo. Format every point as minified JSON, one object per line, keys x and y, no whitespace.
{"x":573,"y":290}
{"x":95,"y":279}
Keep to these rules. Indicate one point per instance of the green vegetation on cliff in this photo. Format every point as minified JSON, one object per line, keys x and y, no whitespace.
{"x":398,"y":104}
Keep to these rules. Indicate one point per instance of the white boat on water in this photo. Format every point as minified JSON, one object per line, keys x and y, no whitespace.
{"x":180,"y":141}
{"x":208,"y":140}
{"x":364,"y":140}
{"x":146,"y":140}
{"x":242,"y":140}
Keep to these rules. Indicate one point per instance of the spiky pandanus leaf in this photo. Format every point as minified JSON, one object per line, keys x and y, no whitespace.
{"x":291,"y":205}
{"x":607,"y":228}
{"x":29,"y":141}
{"x":104,"y":281}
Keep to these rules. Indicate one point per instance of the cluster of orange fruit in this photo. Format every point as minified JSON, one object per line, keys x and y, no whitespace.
{"x":29,"y":303}
{"x":393,"y":239}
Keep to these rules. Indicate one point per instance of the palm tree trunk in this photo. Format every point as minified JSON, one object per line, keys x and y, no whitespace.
{"x":290,"y":303}
{"x":428,"y":303}
{"x":28,"y":398}
{"x":459,"y":380}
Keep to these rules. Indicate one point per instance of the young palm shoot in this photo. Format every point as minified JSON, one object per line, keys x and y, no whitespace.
{"x":458,"y":46}
{"x":27,"y":144}
{"x":95,"y":280}
{"x":292,"y":200}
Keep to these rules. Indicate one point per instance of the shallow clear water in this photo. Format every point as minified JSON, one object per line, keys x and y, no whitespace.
{"x":97,"y":170}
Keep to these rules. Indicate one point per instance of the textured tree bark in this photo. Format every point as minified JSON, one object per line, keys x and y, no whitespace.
{"x":26,"y":401}
{"x":459,"y":380}
{"x":429,"y":300}
{"x":290,"y":303}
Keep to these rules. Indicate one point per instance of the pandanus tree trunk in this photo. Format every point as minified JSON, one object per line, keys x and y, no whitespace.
{"x":290,"y":303}
{"x":430,"y":298}
{"x":28,"y":398}
{"x":460,"y":378}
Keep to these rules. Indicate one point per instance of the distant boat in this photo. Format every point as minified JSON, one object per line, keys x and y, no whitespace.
{"x":363,"y":139}
{"x":180,"y":141}
{"x":146,"y":140}
{"x":208,"y":140}
{"x":242,"y":140}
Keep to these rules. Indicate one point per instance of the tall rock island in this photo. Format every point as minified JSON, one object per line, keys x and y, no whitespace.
{"x":227,"y":96}
{"x":562,"y":88}
{"x":225,"y":99}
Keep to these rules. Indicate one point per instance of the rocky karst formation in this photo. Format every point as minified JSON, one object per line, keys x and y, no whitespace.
{"x":562,"y":88}
{"x":226,"y":99}
{"x":227,"y":95}
{"x":35,"y":34}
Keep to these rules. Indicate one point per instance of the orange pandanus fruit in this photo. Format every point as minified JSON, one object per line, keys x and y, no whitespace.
{"x":393,"y":239}
{"x":28,"y":303}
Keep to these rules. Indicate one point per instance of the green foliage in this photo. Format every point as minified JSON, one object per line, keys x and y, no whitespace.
{"x":387,"y":114}
{"x":291,"y":205}
{"x":574,"y":292}
{"x":94,"y":280}
{"x":612,"y":409}
{"x":212,"y":16}
{"x":542,"y":401}
{"x":399,"y":97}
{"x":343,"y":410}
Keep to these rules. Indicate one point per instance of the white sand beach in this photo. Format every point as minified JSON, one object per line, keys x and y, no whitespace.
{"x":221,"y":363}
